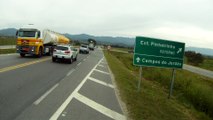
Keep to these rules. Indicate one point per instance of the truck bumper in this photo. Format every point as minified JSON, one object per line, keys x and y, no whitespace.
{"x":26,"y":49}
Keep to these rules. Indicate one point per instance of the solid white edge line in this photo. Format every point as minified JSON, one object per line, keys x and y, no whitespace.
{"x":45,"y":94}
{"x":101,"y":71}
{"x":100,"y":108}
{"x":101,"y":82}
{"x":67,"y":101}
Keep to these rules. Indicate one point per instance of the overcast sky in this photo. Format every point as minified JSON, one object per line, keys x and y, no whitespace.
{"x":189,"y":21}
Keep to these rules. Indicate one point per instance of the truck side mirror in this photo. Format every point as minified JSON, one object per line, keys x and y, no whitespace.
{"x":16,"y":33}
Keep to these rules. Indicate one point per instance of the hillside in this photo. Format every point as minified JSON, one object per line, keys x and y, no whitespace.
{"x":204,"y":51}
{"x":8,"y":32}
{"x":121,"y":41}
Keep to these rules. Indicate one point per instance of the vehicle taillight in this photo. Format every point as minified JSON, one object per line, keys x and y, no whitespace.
{"x":67,"y":52}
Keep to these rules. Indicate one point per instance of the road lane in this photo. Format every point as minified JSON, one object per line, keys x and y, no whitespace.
{"x":19,"y":88}
{"x":15,"y":59}
{"x":77,"y":97}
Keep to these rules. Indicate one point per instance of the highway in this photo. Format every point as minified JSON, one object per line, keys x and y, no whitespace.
{"x":38,"y":89}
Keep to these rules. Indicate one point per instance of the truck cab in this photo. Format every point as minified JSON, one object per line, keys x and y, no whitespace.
{"x":29,"y":42}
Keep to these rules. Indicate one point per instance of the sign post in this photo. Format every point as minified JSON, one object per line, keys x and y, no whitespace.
{"x":154,"y":52}
{"x":172,"y":83}
{"x":140,"y":79}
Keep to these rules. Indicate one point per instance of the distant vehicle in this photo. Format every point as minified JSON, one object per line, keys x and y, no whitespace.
{"x":84,"y":49}
{"x":91,"y":46}
{"x":65,"y":52}
{"x":34,"y":41}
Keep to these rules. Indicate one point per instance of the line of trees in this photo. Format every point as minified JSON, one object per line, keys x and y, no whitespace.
{"x":194,"y":58}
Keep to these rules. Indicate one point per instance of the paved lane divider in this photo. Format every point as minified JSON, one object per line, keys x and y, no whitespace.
{"x":101,"y":71}
{"x":101,"y":66}
{"x":22,"y":65}
{"x":100,"y":108}
{"x":96,"y":106}
{"x":101,"y":82}
{"x":72,"y":95}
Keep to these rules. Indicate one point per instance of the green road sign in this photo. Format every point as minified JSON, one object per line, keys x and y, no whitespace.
{"x":158,"y":53}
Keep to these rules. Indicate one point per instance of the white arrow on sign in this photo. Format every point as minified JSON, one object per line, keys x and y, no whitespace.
{"x":138,"y":59}
{"x":179,"y":50}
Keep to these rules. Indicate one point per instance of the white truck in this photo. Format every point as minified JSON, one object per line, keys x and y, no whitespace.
{"x":34,"y":41}
{"x":91,"y":46}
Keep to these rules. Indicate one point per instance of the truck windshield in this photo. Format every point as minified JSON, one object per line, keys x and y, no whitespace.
{"x":26,"y":33}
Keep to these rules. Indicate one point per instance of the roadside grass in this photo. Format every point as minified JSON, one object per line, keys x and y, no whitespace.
{"x":192,"y":94}
{"x":207,"y":64}
{"x":7,"y":40}
{"x":6,"y":51}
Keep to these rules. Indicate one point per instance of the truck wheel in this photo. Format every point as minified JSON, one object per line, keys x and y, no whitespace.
{"x":22,"y":54}
{"x":40,"y":53}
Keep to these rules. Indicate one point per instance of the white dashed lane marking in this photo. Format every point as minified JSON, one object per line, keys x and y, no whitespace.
{"x":45,"y":95}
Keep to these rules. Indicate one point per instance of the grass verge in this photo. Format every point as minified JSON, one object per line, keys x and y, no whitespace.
{"x":4,"y":40}
{"x":6,"y":51}
{"x":151,"y":102}
{"x":207,"y":64}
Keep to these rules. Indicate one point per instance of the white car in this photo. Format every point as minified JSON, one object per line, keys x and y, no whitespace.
{"x":84,"y":49}
{"x":65,"y":52}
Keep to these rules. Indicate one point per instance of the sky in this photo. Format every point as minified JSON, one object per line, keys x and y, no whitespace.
{"x":188,"y":21}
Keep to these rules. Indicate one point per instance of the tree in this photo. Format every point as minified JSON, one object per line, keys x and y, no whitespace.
{"x":194,"y":58}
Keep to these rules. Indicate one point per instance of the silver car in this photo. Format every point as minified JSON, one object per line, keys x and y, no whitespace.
{"x":65,"y":52}
{"x":84,"y":49}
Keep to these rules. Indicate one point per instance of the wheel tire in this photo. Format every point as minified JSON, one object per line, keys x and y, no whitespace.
{"x":22,"y":54}
{"x":76,"y":58}
{"x":71,"y":60}
{"x":40,"y":53}
{"x":53,"y":59}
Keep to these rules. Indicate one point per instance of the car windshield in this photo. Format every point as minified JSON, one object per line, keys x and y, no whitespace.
{"x":61,"y":48}
{"x":26,"y":33}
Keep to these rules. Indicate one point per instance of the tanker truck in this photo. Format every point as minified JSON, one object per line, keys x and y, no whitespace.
{"x":38,"y":42}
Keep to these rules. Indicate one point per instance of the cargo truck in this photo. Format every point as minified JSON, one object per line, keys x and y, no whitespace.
{"x":37,"y":42}
{"x":91,"y":46}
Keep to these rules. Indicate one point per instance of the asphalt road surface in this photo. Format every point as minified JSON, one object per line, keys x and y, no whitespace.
{"x":38,"y":89}
{"x":197,"y":70}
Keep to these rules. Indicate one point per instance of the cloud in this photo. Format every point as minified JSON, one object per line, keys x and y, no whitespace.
{"x":159,"y":18}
